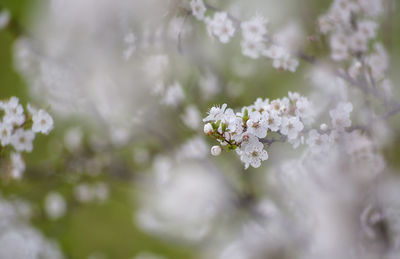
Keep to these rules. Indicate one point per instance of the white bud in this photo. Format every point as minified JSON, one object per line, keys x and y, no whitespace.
{"x":216,"y":150}
{"x":208,"y":128}
{"x":323,"y":127}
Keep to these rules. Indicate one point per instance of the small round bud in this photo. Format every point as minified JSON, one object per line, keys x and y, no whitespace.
{"x":323,"y":127}
{"x":358,"y":65}
{"x":208,"y":128}
{"x":216,"y":150}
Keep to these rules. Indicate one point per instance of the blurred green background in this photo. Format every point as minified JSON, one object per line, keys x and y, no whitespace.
{"x":109,"y":228}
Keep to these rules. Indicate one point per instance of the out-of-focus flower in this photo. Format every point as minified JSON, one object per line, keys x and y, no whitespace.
{"x":55,"y":205}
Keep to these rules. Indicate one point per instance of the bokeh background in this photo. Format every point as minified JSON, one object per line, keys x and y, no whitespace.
{"x":107,"y":229}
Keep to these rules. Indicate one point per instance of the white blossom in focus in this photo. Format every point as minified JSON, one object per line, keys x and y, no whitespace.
{"x":256,"y":125}
{"x":252,"y":153}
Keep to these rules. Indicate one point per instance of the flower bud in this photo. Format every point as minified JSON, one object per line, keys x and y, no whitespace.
{"x":216,"y":150}
{"x":323,"y":127}
{"x":208,"y":128}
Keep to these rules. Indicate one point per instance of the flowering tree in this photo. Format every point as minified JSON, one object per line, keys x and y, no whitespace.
{"x":308,"y":107}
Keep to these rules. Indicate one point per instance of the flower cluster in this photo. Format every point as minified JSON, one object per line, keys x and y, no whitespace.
{"x":350,"y":26}
{"x":220,"y":26}
{"x":255,"y":40}
{"x":320,"y":141}
{"x":246,"y":131}
{"x":18,"y":129}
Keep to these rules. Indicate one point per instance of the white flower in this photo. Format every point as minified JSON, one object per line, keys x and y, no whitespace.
{"x":294,"y":96}
{"x":275,"y":52}
{"x":285,"y":62}
{"x":341,"y":115}
{"x":17,"y":165}
{"x":317,"y":142}
{"x":55,"y":205}
{"x":235,"y":127}
{"x":256,"y":125}
{"x":304,"y":110}
{"x":368,"y":28}
{"x":273,"y":120}
{"x":325,"y":24}
{"x":358,"y":42}
{"x":372,"y":8}
{"x":339,"y":46}
{"x":42,"y":122}
{"x":291,"y":127}
{"x":198,"y":9}
{"x":252,"y":153}
{"x":278,"y":106}
{"x":342,"y":10}
{"x":22,"y":140}
{"x":255,"y":28}
{"x":252,"y":48}
{"x":297,"y":140}
{"x":216,"y":113}
{"x":209,"y":26}
{"x":5,"y":133}
{"x":378,"y":62}
{"x":281,"y":58}
{"x":14,"y":112}
{"x":221,"y":26}
{"x":261,"y":105}
{"x":334,"y":137}
{"x":290,"y":64}
{"x":216,"y":150}
{"x":208,"y":128}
